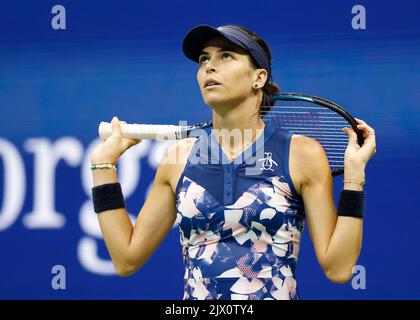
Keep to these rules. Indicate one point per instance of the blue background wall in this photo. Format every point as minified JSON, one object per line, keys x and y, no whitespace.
{"x":124,"y":58}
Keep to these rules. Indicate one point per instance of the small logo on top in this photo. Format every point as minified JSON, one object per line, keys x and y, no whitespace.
{"x":268,"y":162}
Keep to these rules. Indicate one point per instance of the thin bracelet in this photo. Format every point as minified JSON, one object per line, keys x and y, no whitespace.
{"x":103,"y":166}
{"x":356,"y":182}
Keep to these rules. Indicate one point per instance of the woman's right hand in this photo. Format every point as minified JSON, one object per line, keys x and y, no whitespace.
{"x":114,"y":146}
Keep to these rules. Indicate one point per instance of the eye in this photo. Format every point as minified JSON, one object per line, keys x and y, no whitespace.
{"x":202,"y":59}
{"x":226,"y":55}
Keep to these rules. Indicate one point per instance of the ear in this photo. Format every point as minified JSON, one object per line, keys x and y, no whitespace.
{"x":260,"y":77}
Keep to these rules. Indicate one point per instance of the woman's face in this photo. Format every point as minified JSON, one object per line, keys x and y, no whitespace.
{"x":225,"y":74}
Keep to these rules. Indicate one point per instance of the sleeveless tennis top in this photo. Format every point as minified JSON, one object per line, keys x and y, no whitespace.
{"x":240,"y":222}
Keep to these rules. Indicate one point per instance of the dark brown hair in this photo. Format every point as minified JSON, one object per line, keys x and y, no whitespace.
{"x":270,"y":88}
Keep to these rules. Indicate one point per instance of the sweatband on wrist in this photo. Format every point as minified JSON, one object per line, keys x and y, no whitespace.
{"x":351,"y":203}
{"x":107,"y":197}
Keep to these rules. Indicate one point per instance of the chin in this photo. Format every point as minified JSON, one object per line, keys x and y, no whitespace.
{"x":216,"y":100}
{"x":213,"y":100}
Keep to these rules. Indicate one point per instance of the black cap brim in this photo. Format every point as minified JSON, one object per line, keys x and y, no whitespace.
{"x":196,"y":38}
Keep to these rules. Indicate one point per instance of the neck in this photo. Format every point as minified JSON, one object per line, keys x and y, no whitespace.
{"x":238,"y":126}
{"x":242,"y":115}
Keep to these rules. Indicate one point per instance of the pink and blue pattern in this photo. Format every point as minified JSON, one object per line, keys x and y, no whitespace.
{"x":246,"y":250}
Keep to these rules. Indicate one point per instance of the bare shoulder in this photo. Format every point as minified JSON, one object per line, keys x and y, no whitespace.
{"x":174,"y":161}
{"x":305,"y":146}
{"x":308,"y":160}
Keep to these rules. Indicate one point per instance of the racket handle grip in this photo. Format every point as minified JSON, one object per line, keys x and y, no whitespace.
{"x":142,"y":131}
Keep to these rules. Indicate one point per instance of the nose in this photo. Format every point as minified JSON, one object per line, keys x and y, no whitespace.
{"x":210,"y":65}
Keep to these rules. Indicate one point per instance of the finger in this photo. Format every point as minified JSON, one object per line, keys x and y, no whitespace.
{"x":369,"y":143}
{"x":351,"y":135}
{"x":365,"y":125}
{"x":116,"y":129}
{"x":121,"y":129}
{"x":370,"y":146}
{"x":130,"y":142}
{"x":367,"y":131}
{"x":359,"y":121}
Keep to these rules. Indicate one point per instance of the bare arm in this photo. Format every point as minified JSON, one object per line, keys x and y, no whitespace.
{"x":131,"y":247}
{"x":337,"y":240}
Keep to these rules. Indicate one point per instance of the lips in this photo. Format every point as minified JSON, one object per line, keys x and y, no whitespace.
{"x":211,"y":83}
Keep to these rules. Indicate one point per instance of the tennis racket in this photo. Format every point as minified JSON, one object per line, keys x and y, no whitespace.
{"x":302,"y":114}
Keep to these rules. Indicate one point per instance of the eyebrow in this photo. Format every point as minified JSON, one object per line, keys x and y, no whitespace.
{"x":220,"y":50}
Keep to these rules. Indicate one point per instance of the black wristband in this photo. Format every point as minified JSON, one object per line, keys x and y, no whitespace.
{"x":107,"y":197}
{"x":351,"y":203}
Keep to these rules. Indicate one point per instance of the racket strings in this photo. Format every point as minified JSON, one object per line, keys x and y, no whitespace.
{"x":316,"y":122}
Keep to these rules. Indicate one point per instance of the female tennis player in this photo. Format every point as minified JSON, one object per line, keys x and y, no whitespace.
{"x":240,"y":229}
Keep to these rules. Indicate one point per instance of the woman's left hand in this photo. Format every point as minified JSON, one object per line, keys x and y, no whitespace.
{"x":360,"y":155}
